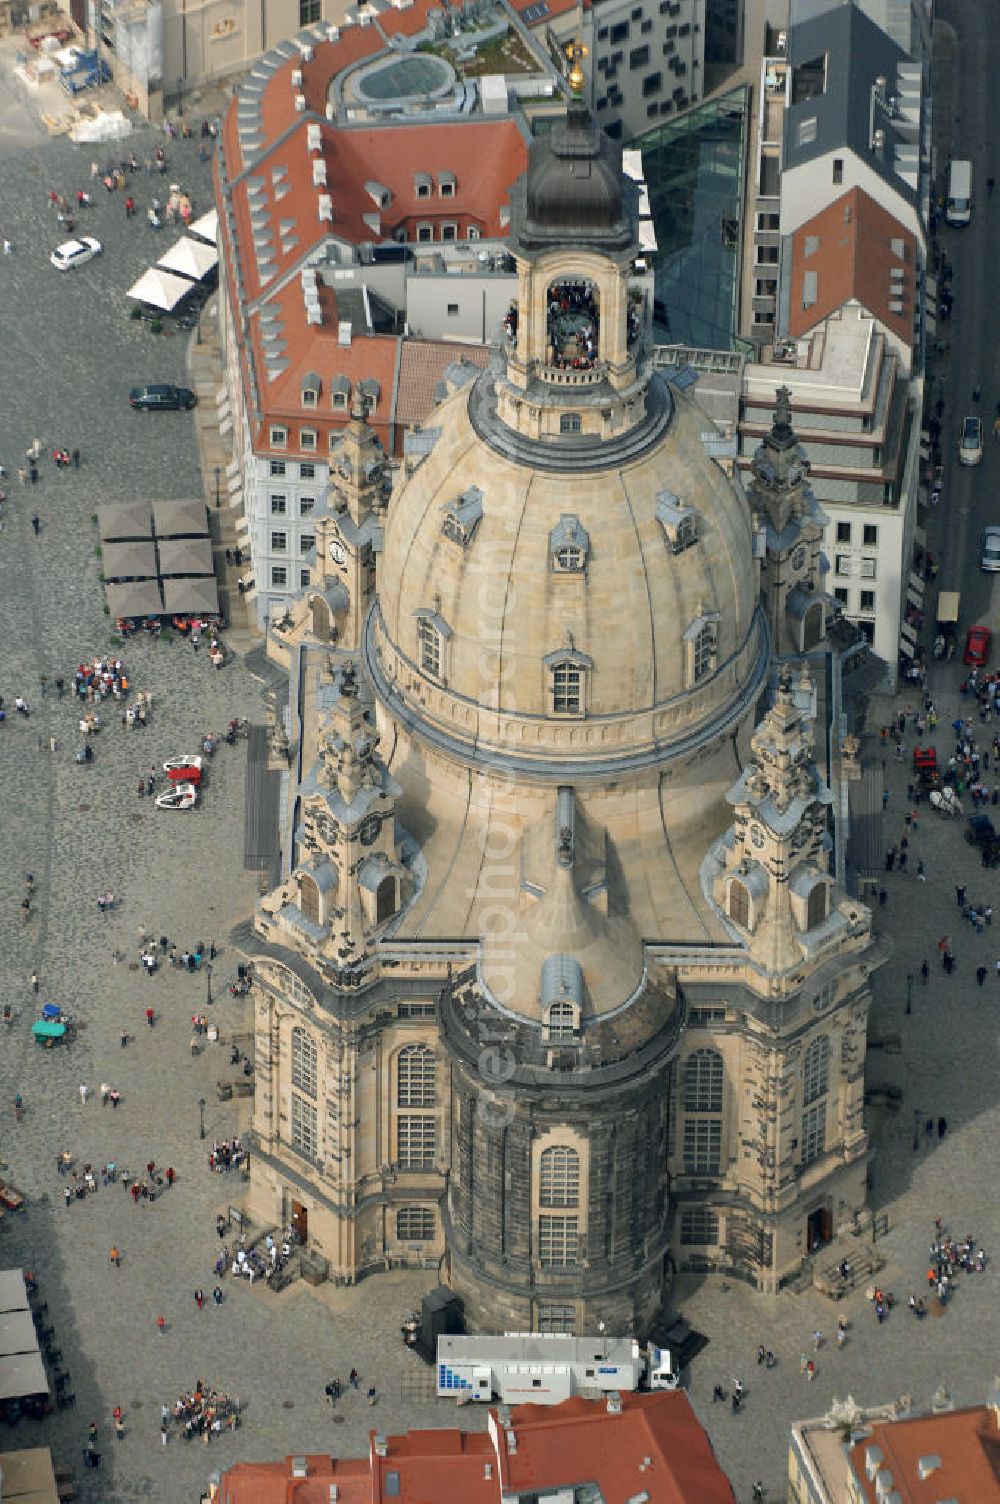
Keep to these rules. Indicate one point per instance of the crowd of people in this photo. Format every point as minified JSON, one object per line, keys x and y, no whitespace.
{"x":203,"y":1412}
{"x":573,"y":323}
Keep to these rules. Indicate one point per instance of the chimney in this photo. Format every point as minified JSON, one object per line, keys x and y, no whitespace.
{"x":300,"y":1468}
{"x":381,"y":1445}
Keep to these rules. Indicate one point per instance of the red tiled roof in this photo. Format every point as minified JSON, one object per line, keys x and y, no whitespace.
{"x":851,"y":253}
{"x":422,"y":365}
{"x":272,"y":1482}
{"x":553,"y":9}
{"x":655,"y":1445}
{"x":964,"y":1445}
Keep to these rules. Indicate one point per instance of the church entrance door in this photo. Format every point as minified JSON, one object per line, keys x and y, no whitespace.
{"x":819,"y":1228}
{"x":300,"y":1221}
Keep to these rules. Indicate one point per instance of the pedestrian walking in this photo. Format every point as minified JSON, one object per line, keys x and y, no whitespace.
{"x":199,"y":1297}
{"x":925,"y":971}
{"x":150,"y":1017}
{"x":980,"y":975}
{"x":161,"y":1325}
{"x":116,"y":1258}
{"x":34,"y":982}
{"x":371,"y":1394}
{"x":163,"y":1435}
{"x":353,"y":1378}
{"x":83,"y":1090}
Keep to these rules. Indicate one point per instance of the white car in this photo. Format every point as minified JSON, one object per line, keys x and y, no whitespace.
{"x":970,"y":445}
{"x":75,"y":252}
{"x":989,"y":553}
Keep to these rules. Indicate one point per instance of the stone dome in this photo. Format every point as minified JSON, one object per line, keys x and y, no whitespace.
{"x":574,"y":190}
{"x":661,"y":568}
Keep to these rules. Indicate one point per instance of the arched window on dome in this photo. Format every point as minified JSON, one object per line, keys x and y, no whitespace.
{"x":433,"y":638}
{"x":568,"y":671}
{"x":573,"y":321}
{"x":701,"y":649}
{"x":569,"y":546}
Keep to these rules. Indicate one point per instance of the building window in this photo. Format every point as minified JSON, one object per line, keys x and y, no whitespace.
{"x":638,"y":56}
{"x":474,"y":232}
{"x":424,"y":189}
{"x":838,"y":170}
{"x":568,"y":559}
{"x":447,"y":188}
{"x":307,"y":438}
{"x":307,"y":470}
{"x":425,"y":233}
{"x":561,"y":1021}
{"x":416,"y":1140}
{"x":567,"y":689}
{"x":806,"y":130}
{"x":699,"y":1227}
{"x":310,"y":11}
{"x":843,"y":532}
{"x":569,"y":545}
{"x":703,"y":652}
{"x":559,"y":1177}
{"x":810,"y":288}
{"x":558,"y":1238}
{"x":703,"y":1076}
{"x":870,"y":536}
{"x":306,"y":504}
{"x":867,"y":600}
{"x":813,"y":1132}
{"x":309,"y":900}
{"x":279,"y":506}
{"x":304,"y":1136}
{"x":310,"y":396}
{"x":279,"y":543}
{"x":304,"y":1071}
{"x":739,"y":903}
{"x":702,"y":1146}
{"x":429,"y":646}
{"x":305,"y":579}
{"x":453,"y":310}
{"x":817,"y":905}
{"x":842,"y":595}
{"x":449,"y":230}
{"x":414,"y":1224}
{"x":277,"y":467}
{"x":867,"y":569}
{"x":279,"y":437}
{"x":552,"y":1318}
{"x":570,"y":423}
{"x":816,"y":1070}
{"x":416,"y":1076}
{"x":843,"y":564}
{"x":307,"y":542}
{"x":279,"y":574}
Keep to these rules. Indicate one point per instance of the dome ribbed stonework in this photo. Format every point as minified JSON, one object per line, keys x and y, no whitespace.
{"x":506,"y":613}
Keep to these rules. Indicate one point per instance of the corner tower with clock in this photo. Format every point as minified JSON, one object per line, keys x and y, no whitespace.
{"x":789,"y":526}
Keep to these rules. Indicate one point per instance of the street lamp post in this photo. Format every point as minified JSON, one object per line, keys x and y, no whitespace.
{"x":180,"y":94}
{"x":208,"y":984}
{"x":916,"y":1130}
{"x":201,"y":1117}
{"x":909,"y":993}
{"x":218,"y":475}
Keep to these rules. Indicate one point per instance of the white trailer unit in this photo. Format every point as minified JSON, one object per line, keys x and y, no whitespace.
{"x":532,"y":1368}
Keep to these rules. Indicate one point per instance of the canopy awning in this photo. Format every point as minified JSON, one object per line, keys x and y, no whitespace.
{"x":206,"y":227}
{"x":17,"y":1335}
{"x":947,"y":606}
{"x":48,"y":1028}
{"x":22,"y":1374}
{"x":125,"y":520}
{"x":13,"y":1295}
{"x":160,"y":289}
{"x":128,"y":561}
{"x":186,"y":556}
{"x":190,"y":258}
{"x":191,"y":597}
{"x":180,"y":519}
{"x":141,"y":598}
{"x":28,"y":1476}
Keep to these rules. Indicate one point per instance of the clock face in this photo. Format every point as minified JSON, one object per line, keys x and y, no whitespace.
{"x":369,"y":830}
{"x":338,"y":553}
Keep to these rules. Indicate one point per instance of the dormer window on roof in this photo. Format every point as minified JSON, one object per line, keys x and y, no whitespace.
{"x":569,"y":546}
{"x":311,"y":388}
{"x":447,"y":184}
{"x":679,"y":523}
{"x":461,"y":517}
{"x":423,"y":183}
{"x":380,"y":195}
{"x":340,"y":392}
{"x":370,"y":391}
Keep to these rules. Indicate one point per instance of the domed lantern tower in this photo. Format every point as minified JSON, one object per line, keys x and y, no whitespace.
{"x":578,"y":332}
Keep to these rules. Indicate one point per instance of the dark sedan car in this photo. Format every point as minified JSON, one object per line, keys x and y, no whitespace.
{"x":151,"y":399}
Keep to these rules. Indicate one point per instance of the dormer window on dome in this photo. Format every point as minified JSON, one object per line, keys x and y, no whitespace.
{"x":569,"y":546}
{"x":461,"y":517}
{"x":701,"y":650}
{"x":433,"y":637}
{"x":679,"y":523}
{"x":568,"y":672}
{"x":561,"y":996}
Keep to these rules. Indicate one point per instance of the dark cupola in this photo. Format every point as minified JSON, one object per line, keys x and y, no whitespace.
{"x":574,"y":191}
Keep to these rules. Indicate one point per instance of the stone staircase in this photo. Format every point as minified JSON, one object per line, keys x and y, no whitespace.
{"x":861,"y":1255}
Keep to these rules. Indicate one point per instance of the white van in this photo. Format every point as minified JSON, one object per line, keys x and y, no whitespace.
{"x":959,"y":207}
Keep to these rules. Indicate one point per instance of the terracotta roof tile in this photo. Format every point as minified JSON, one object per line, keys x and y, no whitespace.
{"x":965,"y":1444}
{"x":422,"y":366}
{"x":846,"y":249}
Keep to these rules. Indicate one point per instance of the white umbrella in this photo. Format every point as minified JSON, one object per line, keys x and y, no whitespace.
{"x":190,"y":258}
{"x":160,"y":289}
{"x":206,"y":227}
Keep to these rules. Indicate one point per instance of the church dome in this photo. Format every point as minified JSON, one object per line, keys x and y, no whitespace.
{"x":574,"y":191}
{"x":587,"y":619}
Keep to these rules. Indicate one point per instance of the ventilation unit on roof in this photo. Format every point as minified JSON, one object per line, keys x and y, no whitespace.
{"x":300,"y":103}
{"x":330,"y":111}
{"x":319,"y":171}
{"x":895,"y":306}
{"x":325,"y":206}
{"x":381,"y":1445}
{"x":306,"y":52}
{"x":296,"y":78}
{"x":300,"y":1468}
{"x":344,"y":332}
